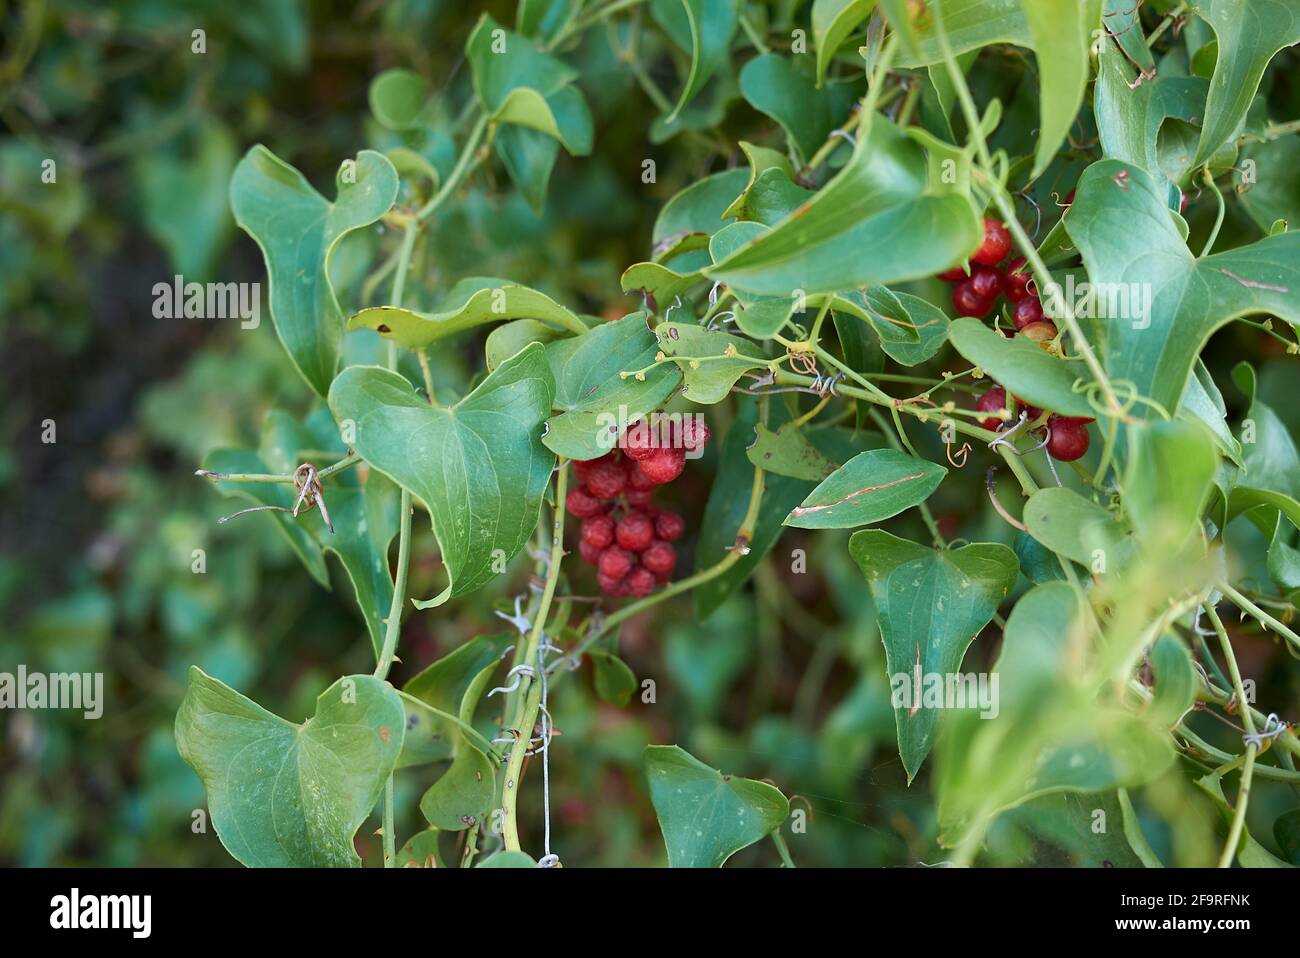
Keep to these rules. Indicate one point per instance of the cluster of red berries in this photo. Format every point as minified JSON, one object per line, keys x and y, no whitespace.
{"x":1067,"y":436}
{"x":976,"y":293}
{"x":624,"y":534}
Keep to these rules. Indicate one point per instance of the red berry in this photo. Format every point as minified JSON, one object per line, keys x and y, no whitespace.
{"x":664,"y":466}
{"x":660,"y":559}
{"x":1017,"y":280}
{"x":956,"y":274}
{"x":639,"y":441}
{"x":615,"y":562}
{"x":987,"y":281}
{"x":640,"y":582}
{"x":695,"y":434}
{"x":1067,"y":438}
{"x":590,"y":554}
{"x":992,"y":401}
{"x":606,"y":478}
{"x":1028,"y":310}
{"x":996,"y":245}
{"x":611,"y":585}
{"x":638,"y":481}
{"x":639,"y":499}
{"x":669,"y":526}
{"x":598,"y":531}
{"x":967,"y":302}
{"x":1031,"y":412}
{"x":635,"y":531}
{"x":583,"y":504}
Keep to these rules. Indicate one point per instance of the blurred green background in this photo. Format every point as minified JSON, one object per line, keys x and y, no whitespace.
{"x":98,"y":529}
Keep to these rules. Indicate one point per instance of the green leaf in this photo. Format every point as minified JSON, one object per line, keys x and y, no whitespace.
{"x":1175,"y":681}
{"x":1274,"y":194}
{"x":870,"y":487}
{"x":432,"y":735}
{"x":1120,"y":18}
{"x":528,"y":156}
{"x":707,"y":817}
{"x":930,"y":606}
{"x":286,"y":795}
{"x":777,"y":86}
{"x":1286,"y":832}
{"x":761,"y":159}
{"x":832,"y":22}
{"x":686,"y":221}
{"x":710,"y":362}
{"x":397,"y":98}
{"x":703,"y":28}
{"x":472,"y":302}
{"x":364,"y":513}
{"x":1023,"y":367}
{"x":615,"y":682}
{"x":1079,"y":529}
{"x":420,"y":851}
{"x":919,"y":329}
{"x":508,"y":338}
{"x":506,"y":859}
{"x":595,"y":398}
{"x":1189,"y":298}
{"x":1249,"y":35}
{"x":787,"y":452}
{"x":479,"y":466}
{"x":660,"y":283}
{"x":887,"y":190}
{"x":1169,"y":481}
{"x":298,"y":231}
{"x":1059,"y":34}
{"x":1250,"y":853}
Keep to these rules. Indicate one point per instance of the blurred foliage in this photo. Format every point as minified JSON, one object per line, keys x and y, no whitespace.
{"x":98,"y":530}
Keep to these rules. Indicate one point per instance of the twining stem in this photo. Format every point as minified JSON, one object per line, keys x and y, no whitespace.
{"x":530,"y":686}
{"x":351,"y":459}
{"x":468,"y":159}
{"x":394,"y":622}
{"x":1218,"y":219}
{"x":390,"y":840}
{"x":1247,"y":720}
{"x":779,"y":840}
{"x":1007,"y":208}
{"x":1243,"y":603}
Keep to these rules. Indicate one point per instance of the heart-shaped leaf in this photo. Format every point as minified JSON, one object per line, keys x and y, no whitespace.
{"x":710,"y":362}
{"x":684,"y":225}
{"x":596,"y":398}
{"x":930,"y":606}
{"x":285,"y":795}
{"x":869,"y":487}
{"x":1079,"y":529}
{"x":883,"y":194}
{"x":471,"y":302}
{"x":787,"y":452}
{"x":1180,"y":300}
{"x":298,"y":231}
{"x":706,"y":817}
{"x":479,"y":466}
{"x":433,"y":731}
{"x":777,"y":86}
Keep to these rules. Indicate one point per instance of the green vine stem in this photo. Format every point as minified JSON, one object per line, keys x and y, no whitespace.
{"x":1248,"y":720}
{"x":530,"y":686}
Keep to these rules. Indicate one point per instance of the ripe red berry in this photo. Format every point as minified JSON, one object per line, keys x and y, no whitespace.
{"x":992,"y":401}
{"x":1017,"y":280}
{"x":956,"y":274}
{"x":606,"y":477}
{"x":1028,"y":310}
{"x":967,"y":302}
{"x":640,"y":582}
{"x":615,"y":562}
{"x":660,"y":559}
{"x":611,"y":585}
{"x":598,"y":531}
{"x":590,"y":554}
{"x":583,"y":504}
{"x":635,"y":531}
{"x":996,"y":245}
{"x":987,"y":281}
{"x":695,"y":434}
{"x":638,"y":499}
{"x":1031,"y":412}
{"x":669,"y":526}
{"x":1067,"y":438}
{"x":664,"y":466}
{"x":638,"y":481}
{"x":639,"y":441}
